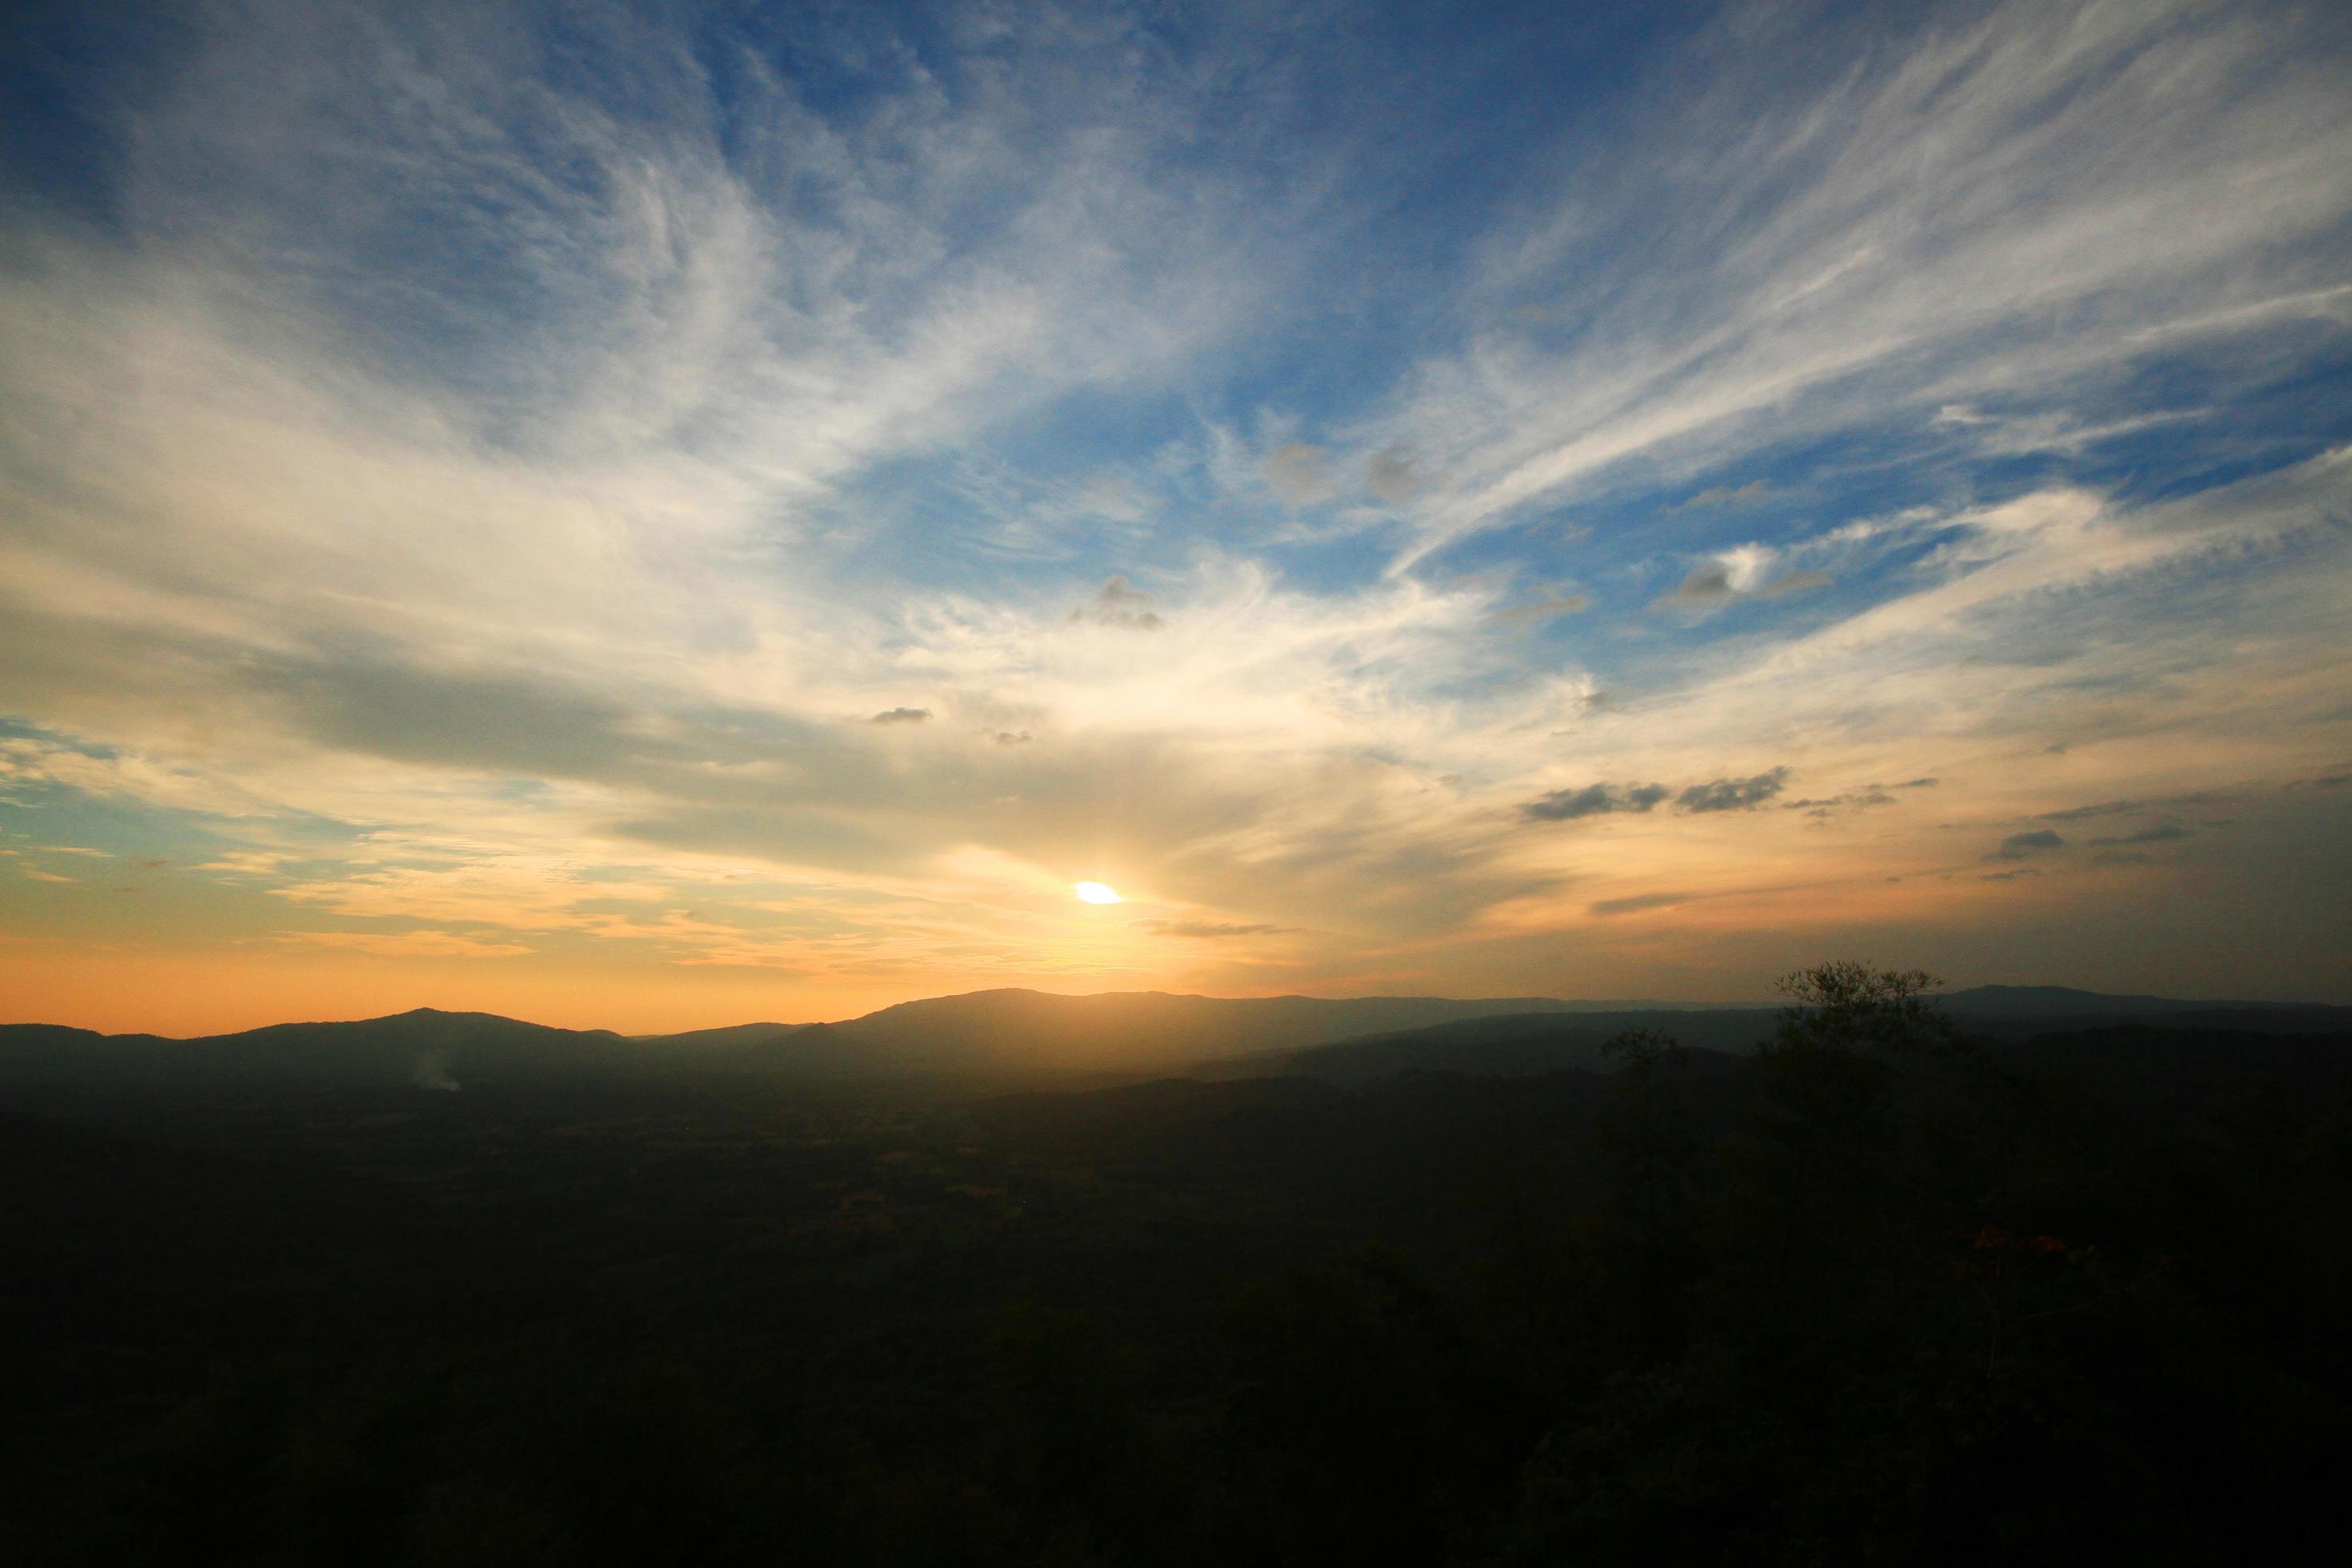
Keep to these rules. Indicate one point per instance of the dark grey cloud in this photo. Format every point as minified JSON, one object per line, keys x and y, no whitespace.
{"x":1732,"y":795}
{"x":782,"y":788}
{"x":362,"y":695}
{"x":2104,"y":808}
{"x":1592,"y":800}
{"x":1205,"y":929}
{"x":2145,"y":836}
{"x":2126,"y":807}
{"x":1708,"y":585}
{"x":493,"y":722}
{"x":504,"y":723}
{"x":2009,"y":875}
{"x":1117,"y":603}
{"x":1832,"y":806}
{"x":1013,"y":737}
{"x":1862,"y":799}
{"x":1390,"y":475}
{"x":1568,"y":805}
{"x":2019,"y":846}
{"x":1604,"y":799}
{"x":1301,"y":473}
{"x":1644,"y":901}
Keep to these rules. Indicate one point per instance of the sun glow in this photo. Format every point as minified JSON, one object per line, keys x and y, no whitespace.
{"x":1098,"y":893}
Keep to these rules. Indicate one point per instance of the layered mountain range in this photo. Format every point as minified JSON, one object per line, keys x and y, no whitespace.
{"x":1030,"y":1033}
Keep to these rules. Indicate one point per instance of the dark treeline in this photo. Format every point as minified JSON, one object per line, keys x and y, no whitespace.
{"x":1881,"y":1291}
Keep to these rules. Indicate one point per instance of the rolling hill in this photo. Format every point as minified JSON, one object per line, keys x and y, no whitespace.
{"x":1028,"y":1033}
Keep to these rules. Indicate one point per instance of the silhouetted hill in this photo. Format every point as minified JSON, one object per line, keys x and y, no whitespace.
{"x":731,"y":1036}
{"x":1525,"y":1044}
{"x":2179,"y":1068}
{"x":426,"y":1048}
{"x":991,"y":1034}
{"x":1513,"y":1045}
{"x":985,"y":1033}
{"x":2056,"y":1005}
{"x":2082,"y":1291}
{"x":1133,"y":1031}
{"x":2052,"y":1002}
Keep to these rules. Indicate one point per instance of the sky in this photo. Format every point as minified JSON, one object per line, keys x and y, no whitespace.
{"x":656,"y":516}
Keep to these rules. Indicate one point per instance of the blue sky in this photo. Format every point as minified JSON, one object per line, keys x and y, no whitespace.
{"x":690,"y":510}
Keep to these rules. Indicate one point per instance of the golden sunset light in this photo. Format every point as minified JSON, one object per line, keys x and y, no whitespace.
{"x":1713,"y":643}
{"x":466,"y":528}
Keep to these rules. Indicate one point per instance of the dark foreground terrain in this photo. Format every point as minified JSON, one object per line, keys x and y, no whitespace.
{"x":1879,"y":1293}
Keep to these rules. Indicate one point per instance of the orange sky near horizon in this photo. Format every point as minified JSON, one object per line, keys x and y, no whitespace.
{"x":499,"y":514}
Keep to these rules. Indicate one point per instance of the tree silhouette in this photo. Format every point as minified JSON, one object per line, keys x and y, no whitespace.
{"x":1845,"y":1005}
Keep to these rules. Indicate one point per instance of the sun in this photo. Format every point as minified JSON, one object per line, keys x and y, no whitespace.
{"x":1098,"y":893}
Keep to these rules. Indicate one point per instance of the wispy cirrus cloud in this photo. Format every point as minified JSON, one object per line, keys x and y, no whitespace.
{"x":1210,"y":929}
{"x":1871,"y":248}
{"x":607,"y":483}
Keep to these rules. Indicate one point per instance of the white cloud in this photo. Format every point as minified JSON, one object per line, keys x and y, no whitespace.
{"x":534,"y":535}
{"x":2001,"y":208}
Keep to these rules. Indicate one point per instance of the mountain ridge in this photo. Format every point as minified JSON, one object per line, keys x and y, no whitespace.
{"x":1022,"y":1030}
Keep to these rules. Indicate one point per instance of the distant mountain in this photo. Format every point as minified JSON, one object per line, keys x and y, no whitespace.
{"x":1515,"y":1044}
{"x":986,"y":1032}
{"x":1525,"y":1044}
{"x":728,"y":1037}
{"x":426,"y":1048}
{"x":997,"y":1033}
{"x":2058,"y":1002}
{"x":2007,"y":1009}
{"x":1143,"y":1031}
